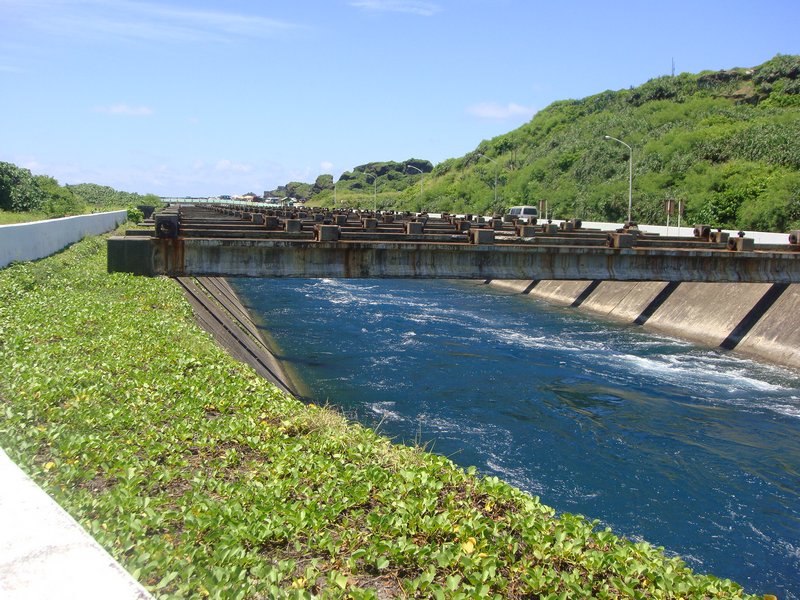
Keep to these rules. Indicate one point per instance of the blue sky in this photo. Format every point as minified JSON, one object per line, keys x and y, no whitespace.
{"x":210,"y":97}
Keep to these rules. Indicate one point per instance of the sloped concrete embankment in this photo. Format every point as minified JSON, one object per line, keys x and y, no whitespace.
{"x":219,"y":311}
{"x":756,"y":319}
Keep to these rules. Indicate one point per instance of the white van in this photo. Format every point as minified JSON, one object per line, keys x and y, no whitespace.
{"x":524,"y":213}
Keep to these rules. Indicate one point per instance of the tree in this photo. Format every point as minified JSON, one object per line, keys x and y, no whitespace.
{"x":151,"y":200}
{"x":18,"y":189}
{"x":322,"y":183}
{"x":103,"y":196}
{"x":58,"y":201}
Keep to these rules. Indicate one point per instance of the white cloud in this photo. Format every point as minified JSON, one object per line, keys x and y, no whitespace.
{"x":125,"y":110}
{"x":326,"y":166}
{"x":227,"y":166}
{"x":500,"y":112}
{"x":124,"y":19}
{"x":425,"y":9}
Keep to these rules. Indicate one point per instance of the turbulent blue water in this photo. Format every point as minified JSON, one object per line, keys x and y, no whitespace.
{"x":688,"y":448}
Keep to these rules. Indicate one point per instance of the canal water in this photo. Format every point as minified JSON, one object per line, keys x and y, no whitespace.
{"x":686,"y":447}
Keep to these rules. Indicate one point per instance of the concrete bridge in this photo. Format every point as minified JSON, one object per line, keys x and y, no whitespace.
{"x":224,"y":241}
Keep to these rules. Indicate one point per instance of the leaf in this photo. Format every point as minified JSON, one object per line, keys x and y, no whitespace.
{"x":453,"y":581}
{"x":469,"y":546}
{"x":166,"y":580}
{"x":340,"y":579}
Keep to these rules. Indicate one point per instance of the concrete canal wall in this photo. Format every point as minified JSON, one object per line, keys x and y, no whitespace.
{"x":757,"y":319}
{"x":32,"y":241}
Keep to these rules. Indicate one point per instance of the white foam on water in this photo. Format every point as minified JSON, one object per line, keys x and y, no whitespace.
{"x":520,"y":339}
{"x":536,"y":340}
{"x":383,"y":384}
{"x":719,"y":379}
{"x":376,"y":361}
{"x":428,"y":314}
{"x":515,"y":477}
{"x":384,"y":410}
{"x":340,"y":292}
{"x":409,"y":338}
{"x":463,"y":427}
{"x":693,"y":370}
{"x":758,"y":532}
{"x":441,"y":425}
{"x":789,"y":410}
{"x":791,"y":550}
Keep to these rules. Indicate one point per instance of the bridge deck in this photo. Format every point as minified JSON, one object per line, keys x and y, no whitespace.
{"x":216,"y":241}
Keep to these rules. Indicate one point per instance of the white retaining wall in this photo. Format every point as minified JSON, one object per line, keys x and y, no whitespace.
{"x":32,"y":241}
{"x":760,"y":237}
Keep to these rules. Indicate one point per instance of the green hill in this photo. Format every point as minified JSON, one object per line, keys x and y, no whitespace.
{"x":724,"y":142}
{"x":359,"y":185}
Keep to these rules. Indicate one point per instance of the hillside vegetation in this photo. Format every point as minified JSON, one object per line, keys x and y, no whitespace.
{"x":361,"y":184}
{"x":24,"y":196}
{"x":724,"y":142}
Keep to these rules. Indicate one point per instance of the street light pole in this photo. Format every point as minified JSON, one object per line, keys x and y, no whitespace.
{"x":421,"y":177}
{"x":630,"y":172}
{"x":375,"y":192}
{"x":495,"y":178}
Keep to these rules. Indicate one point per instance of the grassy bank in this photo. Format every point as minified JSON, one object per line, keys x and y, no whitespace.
{"x":204,"y":481}
{"x":14,"y":218}
{"x":17,"y":218}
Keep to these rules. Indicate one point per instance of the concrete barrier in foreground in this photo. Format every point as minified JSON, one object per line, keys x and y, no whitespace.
{"x":44,"y":553}
{"x":32,"y":241}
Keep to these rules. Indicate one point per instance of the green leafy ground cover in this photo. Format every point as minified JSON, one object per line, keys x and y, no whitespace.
{"x":204,"y":481}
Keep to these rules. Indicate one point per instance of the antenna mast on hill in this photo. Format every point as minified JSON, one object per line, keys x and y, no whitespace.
{"x":673,"y":67}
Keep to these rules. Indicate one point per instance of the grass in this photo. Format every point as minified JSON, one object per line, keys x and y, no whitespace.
{"x":12,"y":218}
{"x":206,"y":482}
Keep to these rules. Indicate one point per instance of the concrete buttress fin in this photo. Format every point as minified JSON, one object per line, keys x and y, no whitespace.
{"x":753,"y":316}
{"x":584,"y":295}
{"x":656,"y":303}
{"x":530,"y":287}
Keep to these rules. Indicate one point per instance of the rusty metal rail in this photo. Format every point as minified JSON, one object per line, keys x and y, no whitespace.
{"x":225,"y":241}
